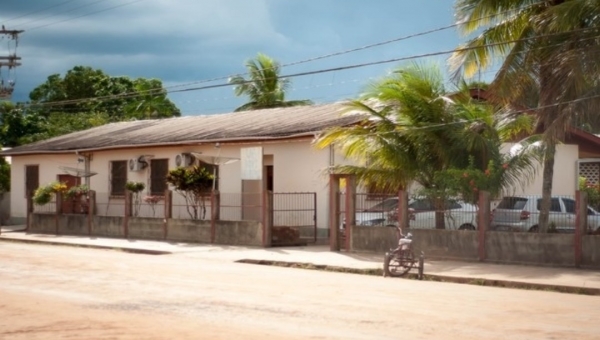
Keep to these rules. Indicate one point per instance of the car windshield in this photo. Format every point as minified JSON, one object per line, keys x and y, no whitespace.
{"x":514,"y":203}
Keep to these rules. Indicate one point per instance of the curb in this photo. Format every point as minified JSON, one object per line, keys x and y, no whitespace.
{"x":91,"y":246}
{"x":433,"y":277}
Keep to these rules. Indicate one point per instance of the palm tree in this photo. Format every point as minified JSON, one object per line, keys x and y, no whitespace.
{"x":548,"y":52}
{"x":265,"y":88}
{"x":414,"y":129}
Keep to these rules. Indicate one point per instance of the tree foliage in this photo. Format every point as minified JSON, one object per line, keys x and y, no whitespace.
{"x":548,"y":52}
{"x":415,"y":130}
{"x":264,"y":87}
{"x":194,"y":184}
{"x":82,"y":99}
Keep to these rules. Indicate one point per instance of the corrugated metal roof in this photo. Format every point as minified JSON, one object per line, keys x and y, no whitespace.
{"x":279,"y":123}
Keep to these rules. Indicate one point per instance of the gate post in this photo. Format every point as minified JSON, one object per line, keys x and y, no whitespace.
{"x":128,"y":208}
{"x":581,"y":200}
{"x":267,"y":218}
{"x":168,"y":212}
{"x":483,"y":221}
{"x":29,"y":210}
{"x":91,"y":209}
{"x":350,"y":213}
{"x":334,"y":212}
{"x":59,"y":200}
{"x":215,"y":209}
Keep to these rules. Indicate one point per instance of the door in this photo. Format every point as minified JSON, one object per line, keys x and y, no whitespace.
{"x":70,"y":206}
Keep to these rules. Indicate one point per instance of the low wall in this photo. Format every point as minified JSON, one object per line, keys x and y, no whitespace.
{"x":43,"y":223}
{"x":591,"y":251}
{"x":440,"y":244}
{"x":530,"y":248}
{"x":146,"y":228}
{"x":188,"y":231}
{"x":71,"y":224}
{"x":108,"y":226}
{"x":241,"y":233}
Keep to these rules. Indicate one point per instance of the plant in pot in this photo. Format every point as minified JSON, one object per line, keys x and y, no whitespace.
{"x":44,"y":194}
{"x":79,"y":196}
{"x":136,"y":188}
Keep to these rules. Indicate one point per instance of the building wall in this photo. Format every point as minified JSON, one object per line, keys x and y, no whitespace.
{"x":298,"y":167}
{"x":565,"y":174}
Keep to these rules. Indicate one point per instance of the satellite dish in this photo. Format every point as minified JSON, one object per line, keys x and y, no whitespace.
{"x":77,"y":172}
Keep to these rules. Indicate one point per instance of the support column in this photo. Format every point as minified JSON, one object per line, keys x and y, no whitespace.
{"x":267,"y":218}
{"x":128,"y":209}
{"x":168,"y":212}
{"x":581,"y":227}
{"x":91,"y":210}
{"x":29,"y":211}
{"x":215,"y":208}
{"x":334,"y":212}
{"x":59,"y":201}
{"x":483,"y":222}
{"x":350,"y":213}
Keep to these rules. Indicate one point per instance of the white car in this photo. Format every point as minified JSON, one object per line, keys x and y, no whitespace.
{"x":458,"y":215}
{"x":521,"y":213}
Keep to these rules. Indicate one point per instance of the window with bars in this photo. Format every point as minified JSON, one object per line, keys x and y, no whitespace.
{"x":118,"y":178}
{"x":32,"y":178}
{"x":159,"y":169}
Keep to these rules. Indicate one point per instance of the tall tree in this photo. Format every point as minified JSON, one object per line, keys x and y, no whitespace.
{"x":414,"y":128}
{"x":87,"y":90}
{"x":548,"y":52}
{"x":264,"y":87}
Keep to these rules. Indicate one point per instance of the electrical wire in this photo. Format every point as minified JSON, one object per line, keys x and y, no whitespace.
{"x":320,"y":71}
{"x":86,"y":14}
{"x":63,"y":12}
{"x":37,"y":11}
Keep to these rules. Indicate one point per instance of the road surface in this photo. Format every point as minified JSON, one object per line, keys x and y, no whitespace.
{"x":55,"y":292}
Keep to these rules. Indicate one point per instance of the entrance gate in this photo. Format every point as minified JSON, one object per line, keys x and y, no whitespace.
{"x":294,"y":218}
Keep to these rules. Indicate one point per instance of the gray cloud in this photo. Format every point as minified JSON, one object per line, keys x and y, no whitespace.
{"x":187,"y":41}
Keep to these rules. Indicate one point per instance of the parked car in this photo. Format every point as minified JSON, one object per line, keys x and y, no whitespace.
{"x":521,"y":213}
{"x":458,"y":215}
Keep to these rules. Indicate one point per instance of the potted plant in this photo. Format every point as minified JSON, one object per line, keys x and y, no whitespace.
{"x":43,"y":195}
{"x":135,"y":188}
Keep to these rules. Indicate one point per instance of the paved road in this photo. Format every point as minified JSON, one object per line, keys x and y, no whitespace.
{"x":54,"y":292}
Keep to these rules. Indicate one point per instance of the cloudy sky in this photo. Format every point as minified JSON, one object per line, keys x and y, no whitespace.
{"x":185,"y":43}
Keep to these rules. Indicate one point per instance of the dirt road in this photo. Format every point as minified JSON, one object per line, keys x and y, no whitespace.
{"x":52,"y":292}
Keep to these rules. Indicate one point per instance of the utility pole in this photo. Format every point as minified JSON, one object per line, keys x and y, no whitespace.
{"x":9,"y":61}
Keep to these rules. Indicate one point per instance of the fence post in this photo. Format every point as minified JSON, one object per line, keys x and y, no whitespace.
{"x":215,"y":215}
{"x":350,"y":214}
{"x":334,"y":212}
{"x":267,"y":218}
{"x":581,"y":227}
{"x":91,"y":209}
{"x":29,"y":210}
{"x":403,"y":215}
{"x":168,"y":212}
{"x":59,"y":201}
{"x":128,"y":199}
{"x":483,"y":221}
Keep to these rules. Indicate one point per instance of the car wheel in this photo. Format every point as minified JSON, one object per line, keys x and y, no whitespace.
{"x":467,"y":226}
{"x":534,"y":229}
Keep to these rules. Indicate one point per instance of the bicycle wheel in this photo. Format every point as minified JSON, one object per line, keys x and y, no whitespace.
{"x":398,"y":263}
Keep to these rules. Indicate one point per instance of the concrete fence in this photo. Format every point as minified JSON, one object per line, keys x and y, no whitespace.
{"x":215,"y":231}
{"x":578,"y":249}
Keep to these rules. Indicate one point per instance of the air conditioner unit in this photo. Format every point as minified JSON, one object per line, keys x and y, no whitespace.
{"x":137,"y":164}
{"x":184,"y":159}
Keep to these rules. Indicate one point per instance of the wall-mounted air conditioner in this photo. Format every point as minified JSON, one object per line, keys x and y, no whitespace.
{"x":184,"y":159}
{"x":138,"y":164}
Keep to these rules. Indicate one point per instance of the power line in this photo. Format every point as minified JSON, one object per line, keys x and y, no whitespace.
{"x":37,"y":11}
{"x":86,"y":14}
{"x":340,"y":68}
{"x":63,"y":12}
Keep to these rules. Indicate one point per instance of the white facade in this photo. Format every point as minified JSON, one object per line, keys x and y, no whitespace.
{"x":297,"y":167}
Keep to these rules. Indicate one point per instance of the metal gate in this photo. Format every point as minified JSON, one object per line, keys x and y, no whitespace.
{"x":294,"y":217}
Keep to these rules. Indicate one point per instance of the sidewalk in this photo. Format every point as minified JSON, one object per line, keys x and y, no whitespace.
{"x":560,"y":279}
